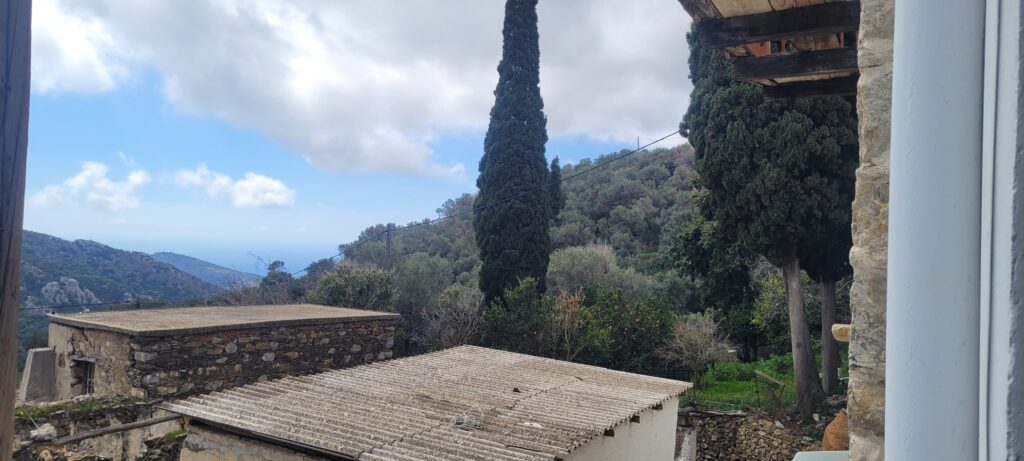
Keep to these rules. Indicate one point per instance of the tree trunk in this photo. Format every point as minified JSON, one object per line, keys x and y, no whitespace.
{"x":829,"y":345}
{"x":805,"y":372}
{"x":15,"y":35}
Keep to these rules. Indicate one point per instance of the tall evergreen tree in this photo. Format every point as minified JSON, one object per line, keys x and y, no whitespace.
{"x":555,"y":189}
{"x":768,"y":165}
{"x":512,"y":225}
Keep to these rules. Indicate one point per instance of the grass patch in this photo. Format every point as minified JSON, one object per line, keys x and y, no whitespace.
{"x":75,"y":409}
{"x":171,"y":436}
{"x":735,"y":385}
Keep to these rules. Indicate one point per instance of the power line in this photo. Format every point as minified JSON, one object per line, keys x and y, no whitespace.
{"x":392,"y":230}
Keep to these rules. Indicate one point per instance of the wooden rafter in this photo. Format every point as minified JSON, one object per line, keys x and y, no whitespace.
{"x":841,"y":86}
{"x":796,"y":65}
{"x":811,"y":20}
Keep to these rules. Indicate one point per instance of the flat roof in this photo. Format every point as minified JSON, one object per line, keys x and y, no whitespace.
{"x":466,"y":402}
{"x":178,"y":320}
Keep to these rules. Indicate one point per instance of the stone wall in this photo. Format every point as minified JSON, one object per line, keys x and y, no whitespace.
{"x":866,"y":395}
{"x":185,"y":364}
{"x":86,"y":414}
{"x":740,"y":437}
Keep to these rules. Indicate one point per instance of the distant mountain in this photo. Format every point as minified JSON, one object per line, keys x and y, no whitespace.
{"x":209,"y":272}
{"x":57,"y":272}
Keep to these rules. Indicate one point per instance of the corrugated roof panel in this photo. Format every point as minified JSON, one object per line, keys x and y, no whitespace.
{"x":462,"y":403}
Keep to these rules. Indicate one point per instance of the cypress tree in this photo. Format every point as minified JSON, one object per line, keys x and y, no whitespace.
{"x":512,"y":227}
{"x":771,"y":168}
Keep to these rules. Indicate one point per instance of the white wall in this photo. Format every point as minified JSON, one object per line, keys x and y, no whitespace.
{"x":1001,"y":324}
{"x":652,"y":439}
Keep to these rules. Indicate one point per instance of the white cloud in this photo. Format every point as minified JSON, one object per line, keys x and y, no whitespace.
{"x":366,"y":85}
{"x":73,"y":53}
{"x":252,"y":190}
{"x":92,"y":187}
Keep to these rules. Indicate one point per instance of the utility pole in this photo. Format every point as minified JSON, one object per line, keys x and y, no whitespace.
{"x":15,"y":50}
{"x":387,"y":254}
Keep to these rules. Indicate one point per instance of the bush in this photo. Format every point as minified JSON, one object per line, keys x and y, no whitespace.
{"x":695,"y":344}
{"x":521,"y":322}
{"x":635,"y":330}
{"x":453,"y":320}
{"x":349,"y":286}
{"x":573,"y":268}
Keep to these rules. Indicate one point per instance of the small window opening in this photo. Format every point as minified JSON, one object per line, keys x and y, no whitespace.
{"x":85,"y":374}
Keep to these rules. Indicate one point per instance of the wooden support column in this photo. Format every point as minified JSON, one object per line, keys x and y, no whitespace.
{"x":822,"y":19}
{"x":15,"y":46}
{"x":796,"y":65}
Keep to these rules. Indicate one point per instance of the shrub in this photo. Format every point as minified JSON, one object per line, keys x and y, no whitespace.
{"x":349,"y":286}
{"x":695,"y":344}
{"x":453,"y":320}
{"x":521,"y":322}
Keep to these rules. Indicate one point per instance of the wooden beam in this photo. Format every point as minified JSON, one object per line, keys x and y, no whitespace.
{"x":700,"y":10}
{"x":796,"y":65}
{"x":840,"y":86}
{"x":15,"y":48}
{"x":826,"y":18}
{"x":118,"y":428}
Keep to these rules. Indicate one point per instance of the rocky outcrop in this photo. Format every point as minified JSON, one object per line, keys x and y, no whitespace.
{"x":870,"y":233}
{"x":67,"y":291}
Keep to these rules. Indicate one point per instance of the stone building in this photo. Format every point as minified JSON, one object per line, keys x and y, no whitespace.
{"x":462,"y":403}
{"x":160,"y":353}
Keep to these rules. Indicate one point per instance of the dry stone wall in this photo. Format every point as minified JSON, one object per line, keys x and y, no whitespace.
{"x":741,"y":437}
{"x":188,"y":364}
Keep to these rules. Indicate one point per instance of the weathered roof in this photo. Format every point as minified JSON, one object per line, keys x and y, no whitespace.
{"x":159,"y":322}
{"x":513,"y":407}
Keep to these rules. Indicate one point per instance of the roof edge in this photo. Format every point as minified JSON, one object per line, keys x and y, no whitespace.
{"x":72,"y":322}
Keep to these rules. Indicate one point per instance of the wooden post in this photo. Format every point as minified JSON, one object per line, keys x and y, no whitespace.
{"x":15,"y":40}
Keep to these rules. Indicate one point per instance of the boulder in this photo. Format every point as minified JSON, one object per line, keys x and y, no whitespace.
{"x":837,"y":434}
{"x":44,"y":433}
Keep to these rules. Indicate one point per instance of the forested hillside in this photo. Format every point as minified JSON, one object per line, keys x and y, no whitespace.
{"x":209,"y":272}
{"x":56,"y":272}
{"x":635,"y":205}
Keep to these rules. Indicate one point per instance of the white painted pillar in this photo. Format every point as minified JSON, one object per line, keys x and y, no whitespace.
{"x":932,"y":339}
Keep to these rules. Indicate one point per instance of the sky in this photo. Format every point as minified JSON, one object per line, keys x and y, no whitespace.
{"x":232,"y":130}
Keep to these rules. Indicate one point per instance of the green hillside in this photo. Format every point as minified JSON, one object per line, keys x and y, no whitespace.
{"x":81,"y":271}
{"x":209,"y":272}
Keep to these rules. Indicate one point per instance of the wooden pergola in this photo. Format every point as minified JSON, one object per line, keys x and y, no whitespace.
{"x":792,"y":47}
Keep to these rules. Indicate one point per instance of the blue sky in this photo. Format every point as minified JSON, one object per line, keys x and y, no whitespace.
{"x":244,"y":128}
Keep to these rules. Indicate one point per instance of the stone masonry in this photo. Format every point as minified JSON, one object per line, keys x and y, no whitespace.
{"x":178,"y":352}
{"x":189,"y":364}
{"x":869,"y":255}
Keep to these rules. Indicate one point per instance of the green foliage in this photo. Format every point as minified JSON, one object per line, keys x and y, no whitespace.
{"x":631,"y":205}
{"x":635,"y":330}
{"x":777,"y":171}
{"x":574,"y":268}
{"x":734,"y":385}
{"x":515,"y":203}
{"x":358,"y":288}
{"x":521,"y":320}
{"x":724,"y":283}
{"x":420,"y":278}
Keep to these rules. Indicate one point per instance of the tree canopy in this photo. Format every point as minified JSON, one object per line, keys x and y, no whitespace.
{"x":515,"y":199}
